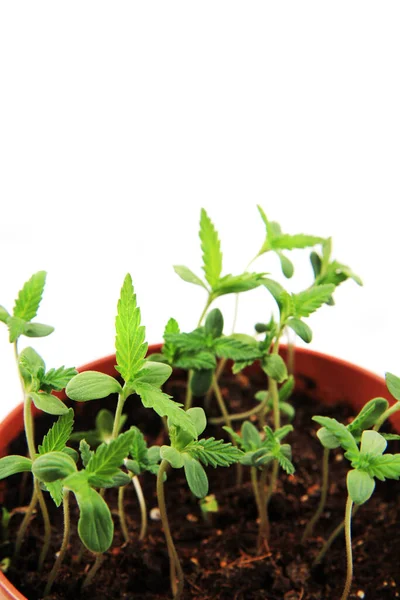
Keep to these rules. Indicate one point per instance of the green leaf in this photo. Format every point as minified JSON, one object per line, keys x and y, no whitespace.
{"x":340,"y":431}
{"x":105,"y":462}
{"x":393,"y":385}
{"x":275,"y":289}
{"x":37,"y":330}
{"x":91,"y":385}
{"x":29,"y":298}
{"x":214,"y":324}
{"x":315,"y":263}
{"x":130,"y":342}
{"x":235,"y":284}
{"x":57,"y":437}
{"x":154,"y":373}
{"x":188,"y":276}
{"x":327,"y":439}
{"x":275,"y":367}
{"x":372,"y":443}
{"x":10,"y":465}
{"x":52,"y":466}
{"x":251,"y":436}
{"x":138,"y":449}
{"x":282,"y":432}
{"x":386,"y":466}
{"x":287,"y":409}
{"x":188,"y":342}
{"x":197,"y":362}
{"x":133,"y":466}
{"x":307,"y":302}
{"x":4,"y":315}
{"x":92,"y":437}
{"x":57,"y":379}
{"x":172,"y":455}
{"x":105,"y":424}
{"x":301,"y":328}
{"x":360,"y":486}
{"x":169,"y":349}
{"x":48,"y":403}
{"x":285,"y":459}
{"x":55,"y":489}
{"x":300,"y":240}
{"x":286,"y":265}
{"x":31,"y":366}
{"x":231,"y":347}
{"x":214,"y":452}
{"x":72,"y":453}
{"x":16,"y":327}
{"x":286,"y":389}
{"x":85,"y":452}
{"x":201,"y":381}
{"x":195,"y":476}
{"x":368,"y":416}
{"x":210,"y":245}
{"x":235,"y":436}
{"x":95,"y":525}
{"x":164,"y":406}
{"x":199,"y":418}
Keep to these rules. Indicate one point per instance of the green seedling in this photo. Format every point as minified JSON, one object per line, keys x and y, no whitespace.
{"x":36,"y":383}
{"x":209,"y":507}
{"x":259,"y":452}
{"x":101,"y":469}
{"x":188,"y":452}
{"x":368,"y":462}
{"x":103,"y":429}
{"x":141,"y":459}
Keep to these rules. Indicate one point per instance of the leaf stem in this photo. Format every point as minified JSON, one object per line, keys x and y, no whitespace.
{"x":64,"y":545}
{"x":263,"y":531}
{"x":121,"y":513}
{"x":95,"y":567}
{"x":322,"y":501}
{"x":175,"y":568}
{"x":47,"y":525}
{"x":349,"y":554}
{"x":118,"y":414}
{"x":240,"y":416}
{"x":221,"y":402}
{"x":143,"y":507}
{"x":335,"y":533}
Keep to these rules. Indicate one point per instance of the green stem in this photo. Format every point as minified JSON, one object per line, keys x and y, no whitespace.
{"x":118,"y":415}
{"x":240,"y":416}
{"x":64,"y":545}
{"x":47,"y":525}
{"x":349,"y":554}
{"x":175,"y":568}
{"x":324,"y":492}
{"x":335,"y":533}
{"x":272,"y":481}
{"x":263,"y":532}
{"x":121,"y":513}
{"x":143,"y":508}
{"x":96,"y":566}
{"x":218,"y":373}
{"x":388,"y":413}
{"x":221,"y":402}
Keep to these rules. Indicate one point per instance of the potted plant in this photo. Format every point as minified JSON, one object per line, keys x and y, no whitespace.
{"x":105,"y":462}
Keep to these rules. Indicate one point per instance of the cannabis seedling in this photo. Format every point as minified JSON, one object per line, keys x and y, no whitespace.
{"x":189,"y":452}
{"x":368,"y":462}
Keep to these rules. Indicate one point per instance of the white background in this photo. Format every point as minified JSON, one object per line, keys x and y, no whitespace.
{"x":119,"y":120}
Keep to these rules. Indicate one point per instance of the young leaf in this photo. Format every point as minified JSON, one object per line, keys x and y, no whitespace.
{"x":386,"y":466}
{"x":130,"y":342}
{"x":251,"y":436}
{"x":169,"y":349}
{"x":154,"y":373}
{"x":188,"y":276}
{"x":199,"y":418}
{"x":340,"y":431}
{"x":201,"y":381}
{"x":393,"y":385}
{"x":368,"y":416}
{"x":85,"y":452}
{"x":10,"y":465}
{"x":275,"y":289}
{"x":195,"y":476}
{"x":360,"y":486}
{"x":235,"y":284}
{"x":55,"y":489}
{"x":275,"y":367}
{"x":108,"y":458}
{"x":138,"y":449}
{"x":301,"y":328}
{"x":198,"y":361}
{"x":210,"y":245}
{"x":16,"y":328}
{"x":299,"y":240}
{"x":214,"y":324}
{"x":327,"y":439}
{"x":4,"y":315}
{"x":91,"y":385}
{"x":52,"y":466}
{"x":57,"y":379}
{"x":233,"y":348}
{"x":372,"y":443}
{"x":187,"y":342}
{"x":286,"y":265}
{"x":307,"y":302}
{"x":37,"y":330}
{"x":95,"y":525}
{"x":57,"y":437}
{"x":48,"y":403}
{"x":27,"y":303}
{"x":173,"y":456}
{"x":214,"y":452}
{"x":164,"y":406}
{"x":286,"y":389}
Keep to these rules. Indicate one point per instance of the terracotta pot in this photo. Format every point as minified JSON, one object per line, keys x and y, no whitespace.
{"x":330,"y":379}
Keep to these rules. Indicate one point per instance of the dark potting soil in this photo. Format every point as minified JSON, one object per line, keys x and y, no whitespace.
{"x":219,"y":557}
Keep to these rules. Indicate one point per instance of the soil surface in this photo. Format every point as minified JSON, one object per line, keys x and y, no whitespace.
{"x":219,"y":557}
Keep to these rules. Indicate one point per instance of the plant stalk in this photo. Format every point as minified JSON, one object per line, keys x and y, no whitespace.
{"x":47,"y":525}
{"x":189,"y":394}
{"x":96,"y":566}
{"x":118,"y":414}
{"x":221,"y":402}
{"x":121,"y":513}
{"x":349,"y":554}
{"x":64,"y":545}
{"x":263,"y":531}
{"x":241,"y":416}
{"x":175,"y":569}
{"x":322,"y":501}
{"x":335,"y":533}
{"x":388,"y":413}
{"x":143,"y":508}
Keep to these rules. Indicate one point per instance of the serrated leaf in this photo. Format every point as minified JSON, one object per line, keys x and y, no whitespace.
{"x":214,"y":452}
{"x":285,"y":463}
{"x":275,"y":367}
{"x":16,"y":328}
{"x":360,"y":486}
{"x":386,"y":466}
{"x":52,"y":466}
{"x":188,"y":276}
{"x":57,"y":379}
{"x":390,"y":437}
{"x":195,"y":476}
{"x":286,"y":265}
{"x":154,"y":373}
{"x":393,"y":385}
{"x":37,"y":330}
{"x":48,"y":403}
{"x":95,"y":525}
{"x":164,"y":406}
{"x":105,"y":462}
{"x":198,"y":361}
{"x":31,"y":366}
{"x":30,"y":296}
{"x":85,"y":452}
{"x":307,"y":302}
{"x":10,"y":465}
{"x":130,"y":342}
{"x":235,"y":284}
{"x":210,"y":245}
{"x":169,"y":349}
{"x":301,"y":329}
{"x":58,"y":435}
{"x":187,"y":342}
{"x":55,"y":489}
{"x":91,"y":385}
{"x":286,"y":241}
{"x":231,"y":347}
{"x":138,"y":448}
{"x":340,"y":431}
{"x":282,"y":432}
